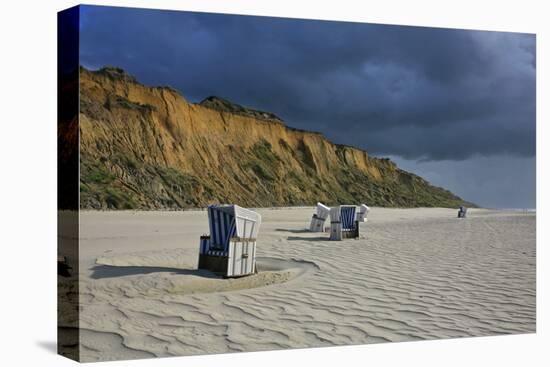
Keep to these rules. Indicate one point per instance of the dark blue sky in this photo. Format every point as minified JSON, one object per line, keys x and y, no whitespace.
{"x":455,"y":106}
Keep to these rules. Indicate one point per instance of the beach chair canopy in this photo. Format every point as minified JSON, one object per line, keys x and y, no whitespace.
{"x":322,"y":211}
{"x":228,"y":221}
{"x":363,"y":208}
{"x":344,"y":214}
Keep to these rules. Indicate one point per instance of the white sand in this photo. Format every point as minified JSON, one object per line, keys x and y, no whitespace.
{"x":414,"y":274}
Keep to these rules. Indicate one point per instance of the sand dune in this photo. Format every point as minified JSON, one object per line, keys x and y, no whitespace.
{"x":414,"y":274}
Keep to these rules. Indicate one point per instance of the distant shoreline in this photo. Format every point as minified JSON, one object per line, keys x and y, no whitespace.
{"x":529,"y":210}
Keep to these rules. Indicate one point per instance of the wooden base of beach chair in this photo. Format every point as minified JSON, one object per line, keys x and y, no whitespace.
{"x":351,"y":234}
{"x":317,"y":224}
{"x":337,"y":233}
{"x":215,"y":264}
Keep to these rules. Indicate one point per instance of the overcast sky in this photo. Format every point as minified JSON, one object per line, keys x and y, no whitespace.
{"x":454,"y":106}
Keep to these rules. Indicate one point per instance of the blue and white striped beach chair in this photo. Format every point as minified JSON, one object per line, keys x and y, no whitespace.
{"x":343,"y":223}
{"x":230,"y":248}
{"x":318,"y":219}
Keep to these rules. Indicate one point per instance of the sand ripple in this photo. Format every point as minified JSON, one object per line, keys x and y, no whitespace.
{"x":407,"y":278}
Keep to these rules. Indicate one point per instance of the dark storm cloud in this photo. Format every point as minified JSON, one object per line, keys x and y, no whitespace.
{"x":418,"y":93}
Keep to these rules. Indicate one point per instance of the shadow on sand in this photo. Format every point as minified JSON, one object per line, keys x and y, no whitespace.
{"x":293,"y":230}
{"x":109,"y":271}
{"x":313,"y":239}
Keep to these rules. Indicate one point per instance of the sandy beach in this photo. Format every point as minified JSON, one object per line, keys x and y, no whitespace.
{"x":414,"y":274}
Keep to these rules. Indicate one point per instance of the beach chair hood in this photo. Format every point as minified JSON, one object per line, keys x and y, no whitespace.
{"x":322,"y":210}
{"x":248,"y":222}
{"x":228,"y":221}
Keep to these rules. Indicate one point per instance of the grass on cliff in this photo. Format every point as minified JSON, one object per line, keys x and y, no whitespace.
{"x":97,"y":175}
{"x":98,"y":184}
{"x":181,"y":182}
{"x":123,"y":181}
{"x":263,"y":161}
{"x":144,"y":185}
{"x":121,"y":102}
{"x":117,"y":199}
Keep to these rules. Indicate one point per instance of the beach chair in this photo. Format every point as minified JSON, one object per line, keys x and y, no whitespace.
{"x":230,"y":249}
{"x":362,"y":213}
{"x":319,"y":217}
{"x":343,"y":223}
{"x":462,"y":212}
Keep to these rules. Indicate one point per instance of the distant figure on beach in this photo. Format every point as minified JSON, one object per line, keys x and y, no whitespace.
{"x":462,"y":211}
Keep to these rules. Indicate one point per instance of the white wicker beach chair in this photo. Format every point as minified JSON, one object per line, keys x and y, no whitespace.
{"x":462,"y":211}
{"x":362,"y":213}
{"x":343,"y":223}
{"x":318,"y":219}
{"x":230,"y":249}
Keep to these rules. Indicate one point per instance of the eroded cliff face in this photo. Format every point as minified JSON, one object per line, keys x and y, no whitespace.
{"x":148,"y":148}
